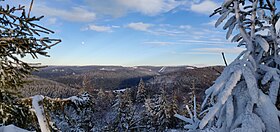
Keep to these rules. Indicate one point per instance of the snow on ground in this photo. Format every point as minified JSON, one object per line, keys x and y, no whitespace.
{"x":120,"y":90}
{"x":162,"y":69}
{"x":190,"y":67}
{"x":81,"y":100}
{"x":107,"y":69}
{"x":12,"y":128}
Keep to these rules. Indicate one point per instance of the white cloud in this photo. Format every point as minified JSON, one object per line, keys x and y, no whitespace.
{"x":149,"y":7}
{"x":175,"y":32}
{"x":179,"y":31}
{"x":52,"y":21}
{"x":161,"y":43}
{"x":185,"y":26}
{"x":211,"y":23}
{"x":77,"y":14}
{"x":121,"y":7}
{"x":98,"y":28}
{"x":115,"y":26}
{"x":234,"y":50}
{"x":139,"y":26}
{"x":209,"y":42}
{"x":212,"y":41}
{"x":205,"y":7}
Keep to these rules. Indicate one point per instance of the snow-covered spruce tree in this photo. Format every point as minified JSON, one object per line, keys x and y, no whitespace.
{"x":125,"y":117}
{"x":19,"y":37}
{"x":173,"y":109}
{"x":141,"y":92}
{"x":101,"y":100}
{"x":158,"y":113}
{"x":161,"y":111}
{"x":244,"y":97}
{"x":86,"y":84}
{"x":110,"y":97}
{"x":147,"y":122}
{"x":192,"y":98}
{"x":101,"y":94}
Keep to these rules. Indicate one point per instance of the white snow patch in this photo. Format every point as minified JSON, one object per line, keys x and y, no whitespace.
{"x":107,"y":69}
{"x":162,"y":69}
{"x":120,"y":90}
{"x":189,"y":67}
{"x":80,"y":100}
{"x":75,"y":99}
{"x":12,"y":128}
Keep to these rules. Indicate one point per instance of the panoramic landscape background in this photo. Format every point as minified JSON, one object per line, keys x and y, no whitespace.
{"x":139,"y":65}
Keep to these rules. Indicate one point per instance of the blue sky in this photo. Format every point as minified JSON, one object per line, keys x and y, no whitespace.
{"x":133,"y":32}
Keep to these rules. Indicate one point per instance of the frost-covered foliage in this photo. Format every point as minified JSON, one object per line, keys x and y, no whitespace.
{"x":102,"y":100}
{"x":243,"y":98}
{"x":141,"y":92}
{"x":173,"y":109}
{"x":125,"y":119}
{"x":193,"y":120}
{"x":147,"y":121}
{"x":13,"y":111}
{"x":46,"y":114}
{"x":71,"y":114}
{"x":158,"y":113}
{"x":82,"y":100}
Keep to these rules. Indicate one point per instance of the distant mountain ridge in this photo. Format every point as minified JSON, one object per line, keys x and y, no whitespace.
{"x":119,"y":77}
{"x":68,"y":70}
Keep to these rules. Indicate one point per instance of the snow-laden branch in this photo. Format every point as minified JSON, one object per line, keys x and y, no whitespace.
{"x":37,"y":102}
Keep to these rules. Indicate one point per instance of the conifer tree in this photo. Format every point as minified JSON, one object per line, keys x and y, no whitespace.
{"x":125,"y":118}
{"x":161,"y":111}
{"x":101,"y":100}
{"x":193,"y":117}
{"x":147,"y":122}
{"x":20,"y":36}
{"x":193,"y":96}
{"x":101,"y":94}
{"x":141,"y":92}
{"x":110,"y":97}
{"x":172,"y":110}
{"x":86,"y":84}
